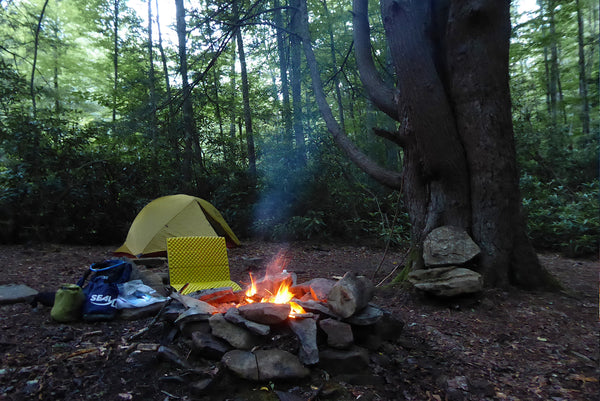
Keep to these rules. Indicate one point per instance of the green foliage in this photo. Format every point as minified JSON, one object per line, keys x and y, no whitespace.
{"x":311,"y":226}
{"x":70,"y":173}
{"x":558,"y":158}
{"x":560,"y":219}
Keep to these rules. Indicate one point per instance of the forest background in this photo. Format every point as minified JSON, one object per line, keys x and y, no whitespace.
{"x":105,"y":106}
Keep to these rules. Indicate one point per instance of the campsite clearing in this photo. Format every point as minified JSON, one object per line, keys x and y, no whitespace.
{"x":510,"y":345}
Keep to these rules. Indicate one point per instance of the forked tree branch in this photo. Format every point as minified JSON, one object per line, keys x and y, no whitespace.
{"x":380,"y":93}
{"x":395,"y":137}
{"x":389,"y":178}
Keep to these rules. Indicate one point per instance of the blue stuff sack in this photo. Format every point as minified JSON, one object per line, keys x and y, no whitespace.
{"x":102,"y":291}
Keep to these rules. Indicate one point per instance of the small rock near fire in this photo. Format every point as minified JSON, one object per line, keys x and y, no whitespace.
{"x":265,"y":313}
{"x":238,"y":337}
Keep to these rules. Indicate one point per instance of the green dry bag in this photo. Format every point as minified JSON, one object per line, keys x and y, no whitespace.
{"x":68,"y":303}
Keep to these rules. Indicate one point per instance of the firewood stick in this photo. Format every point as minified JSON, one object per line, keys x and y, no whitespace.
{"x":350,"y":294}
{"x":152,"y":322}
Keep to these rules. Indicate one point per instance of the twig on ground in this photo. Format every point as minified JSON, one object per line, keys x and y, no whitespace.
{"x":152,"y":322}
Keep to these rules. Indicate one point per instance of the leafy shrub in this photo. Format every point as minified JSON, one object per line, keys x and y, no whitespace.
{"x":562,"y":220}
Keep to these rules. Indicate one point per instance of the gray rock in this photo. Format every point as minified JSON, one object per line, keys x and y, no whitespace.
{"x":306,"y":331}
{"x":193,"y":315}
{"x":318,"y":307}
{"x":233,"y":315}
{"x":173,"y":311}
{"x":265,"y":313}
{"x":389,"y":327}
{"x":265,"y":364}
{"x":354,"y":360}
{"x":187,"y":329}
{"x":13,"y":293}
{"x":339,"y":334}
{"x":208,"y":345}
{"x":141,"y":313}
{"x":279,"y":364}
{"x":237,"y":336}
{"x":447,"y":246}
{"x":202,"y":386}
{"x":242,"y":363}
{"x":447,"y":281}
{"x":367,"y":316}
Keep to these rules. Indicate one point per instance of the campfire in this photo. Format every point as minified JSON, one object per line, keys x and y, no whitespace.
{"x":278,"y":328}
{"x":282,"y":295}
{"x":278,"y":286}
{"x":274,"y":287}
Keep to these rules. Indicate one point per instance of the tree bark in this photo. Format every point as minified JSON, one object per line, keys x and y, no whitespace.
{"x":583,"y":92}
{"x":349,"y":295}
{"x":172,"y":137}
{"x":233,"y":112}
{"x":115,"y":59}
{"x":452,"y":101}
{"x":151,"y":80}
{"x":188,"y":111}
{"x":478,"y":52}
{"x":296,"y":81}
{"x":247,"y":111}
{"x":435,"y":172}
{"x":35,"y":53}
{"x":283,"y":76}
{"x":553,"y":79}
{"x":386,"y":177}
{"x":336,"y":79}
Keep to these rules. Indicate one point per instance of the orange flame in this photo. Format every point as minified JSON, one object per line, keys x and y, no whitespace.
{"x":296,"y":309}
{"x":283,"y":295}
{"x":251,"y":291}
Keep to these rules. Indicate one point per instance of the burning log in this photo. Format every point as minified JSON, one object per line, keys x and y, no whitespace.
{"x":269,"y":285}
{"x":315,"y":289}
{"x":320,"y":287}
{"x":223,"y":297}
{"x":350,"y":294}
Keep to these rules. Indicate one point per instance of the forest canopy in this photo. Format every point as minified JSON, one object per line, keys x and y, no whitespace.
{"x":105,"y":105}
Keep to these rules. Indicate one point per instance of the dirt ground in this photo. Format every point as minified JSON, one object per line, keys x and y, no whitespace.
{"x":501,"y":345}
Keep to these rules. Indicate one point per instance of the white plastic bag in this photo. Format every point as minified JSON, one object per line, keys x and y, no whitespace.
{"x":136,"y":294}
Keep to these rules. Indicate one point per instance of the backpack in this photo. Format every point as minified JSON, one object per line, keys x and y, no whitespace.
{"x":102,"y":291}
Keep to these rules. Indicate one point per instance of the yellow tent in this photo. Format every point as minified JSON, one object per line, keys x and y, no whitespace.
{"x":173,"y":216}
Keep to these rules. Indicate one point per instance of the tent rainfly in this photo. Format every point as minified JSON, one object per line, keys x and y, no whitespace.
{"x":173,"y":216}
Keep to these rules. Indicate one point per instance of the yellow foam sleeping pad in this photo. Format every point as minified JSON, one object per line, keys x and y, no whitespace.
{"x":200,"y":262}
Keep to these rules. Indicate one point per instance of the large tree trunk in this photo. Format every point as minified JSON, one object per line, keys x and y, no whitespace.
{"x":477,"y":53}
{"x":36,"y":44}
{"x":282,"y":52}
{"x":152,"y":81}
{"x":436,"y":181}
{"x":189,"y":129}
{"x":247,"y":111}
{"x":296,"y":82}
{"x":336,"y":78}
{"x":115,"y":60}
{"x":452,"y":101}
{"x":171,"y":134}
{"x":583,"y":91}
